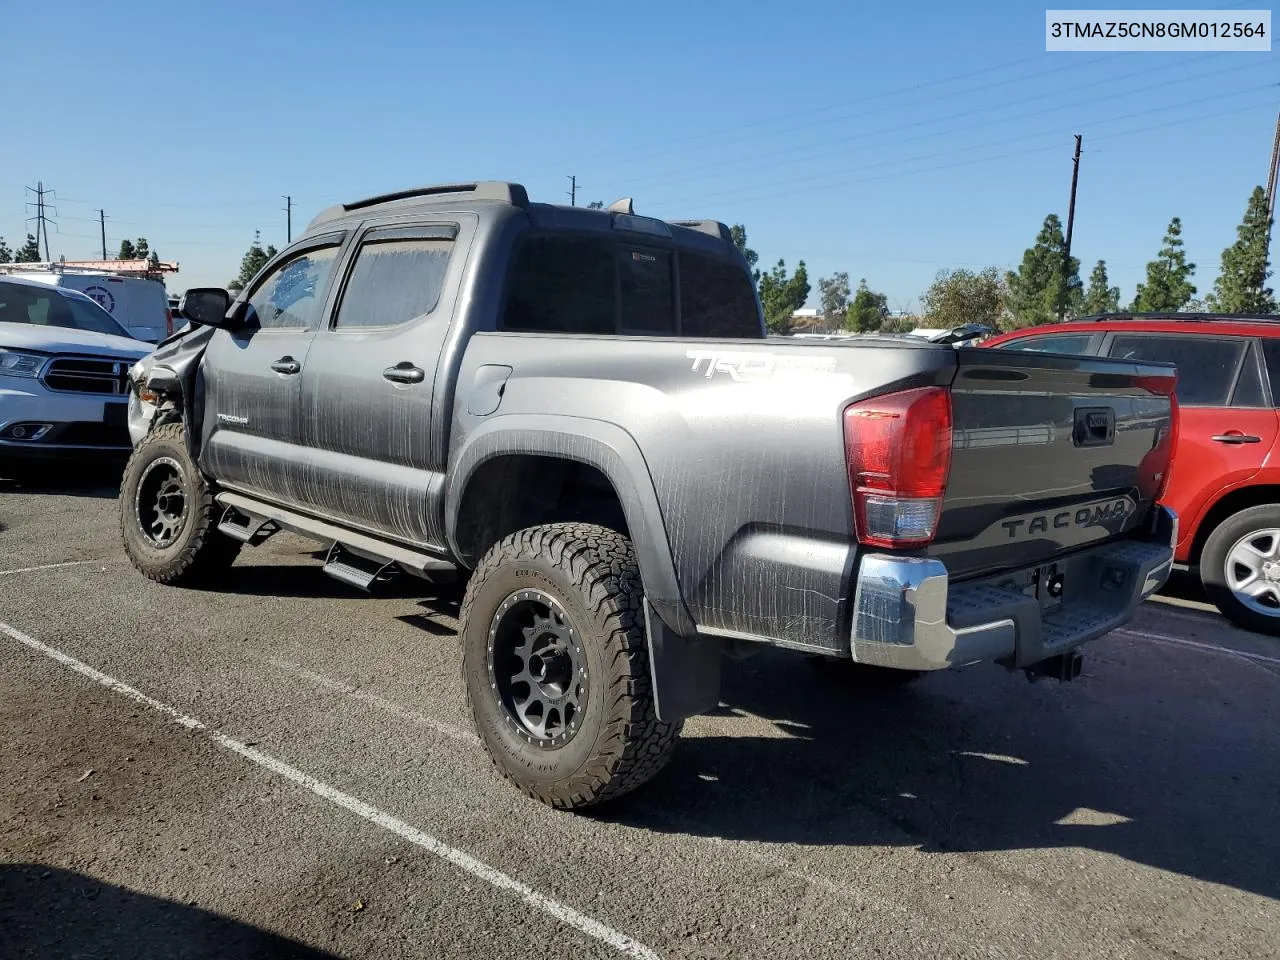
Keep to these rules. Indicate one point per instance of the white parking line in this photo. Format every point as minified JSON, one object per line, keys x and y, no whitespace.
{"x":464,"y":861}
{"x":46,"y":566}
{"x":1206,"y":647}
{"x":355,"y":693}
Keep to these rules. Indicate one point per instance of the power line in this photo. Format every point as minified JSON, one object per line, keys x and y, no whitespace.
{"x":823,"y":179}
{"x":717,"y":140}
{"x":1008,"y":155}
{"x":869,"y":140}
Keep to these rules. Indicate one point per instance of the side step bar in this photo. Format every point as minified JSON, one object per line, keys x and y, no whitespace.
{"x":354,"y":558}
{"x":246,"y":528}
{"x":363,"y":573}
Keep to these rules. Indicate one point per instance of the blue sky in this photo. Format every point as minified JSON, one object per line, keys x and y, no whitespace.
{"x":887,"y":142}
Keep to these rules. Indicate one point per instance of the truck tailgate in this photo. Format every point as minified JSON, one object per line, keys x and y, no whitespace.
{"x":1050,"y":454}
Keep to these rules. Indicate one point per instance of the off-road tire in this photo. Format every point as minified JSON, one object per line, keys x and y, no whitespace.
{"x":620,"y":743}
{"x":1213,"y":572}
{"x":198,"y":553}
{"x":865,"y":677}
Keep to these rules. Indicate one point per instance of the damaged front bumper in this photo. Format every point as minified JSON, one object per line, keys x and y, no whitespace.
{"x":908,"y":615}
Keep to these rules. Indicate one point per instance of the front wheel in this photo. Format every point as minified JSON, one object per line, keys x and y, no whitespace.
{"x":556,"y":667}
{"x":168,"y":516}
{"x":1240,"y":568}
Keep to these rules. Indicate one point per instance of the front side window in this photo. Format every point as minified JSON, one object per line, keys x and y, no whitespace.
{"x":393,"y":282}
{"x":1206,"y":366}
{"x":292,"y":295}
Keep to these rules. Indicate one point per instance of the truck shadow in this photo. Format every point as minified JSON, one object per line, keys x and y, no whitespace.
{"x":52,"y":914}
{"x":93,"y":481}
{"x":979,"y":761}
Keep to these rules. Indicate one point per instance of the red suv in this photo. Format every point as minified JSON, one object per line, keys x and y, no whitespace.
{"x":1225,"y":482}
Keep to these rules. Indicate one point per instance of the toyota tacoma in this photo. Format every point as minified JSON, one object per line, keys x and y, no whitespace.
{"x":578,"y":412}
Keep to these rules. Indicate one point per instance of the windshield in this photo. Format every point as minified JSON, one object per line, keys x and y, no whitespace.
{"x":20,"y":303}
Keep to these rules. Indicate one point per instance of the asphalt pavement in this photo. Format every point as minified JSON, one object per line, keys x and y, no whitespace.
{"x":282,"y":767}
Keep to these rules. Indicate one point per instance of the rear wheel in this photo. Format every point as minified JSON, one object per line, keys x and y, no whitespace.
{"x":1240,"y":568}
{"x":556,"y":667}
{"x":168,"y":516}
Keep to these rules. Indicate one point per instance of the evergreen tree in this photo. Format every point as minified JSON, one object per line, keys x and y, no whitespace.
{"x":255,"y":259}
{"x":739,"y":234}
{"x":1100,"y":297}
{"x":1041,"y":287}
{"x":6,"y":255}
{"x":29,"y":252}
{"x":127,"y":251}
{"x":868,"y":310}
{"x":1241,"y":287}
{"x":1168,"y":286}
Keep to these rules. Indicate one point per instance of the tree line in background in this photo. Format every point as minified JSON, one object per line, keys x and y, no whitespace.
{"x":29,"y":252}
{"x":1046,"y":285}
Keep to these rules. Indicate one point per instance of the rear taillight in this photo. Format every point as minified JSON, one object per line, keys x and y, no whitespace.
{"x":898,"y":450}
{"x":168,"y":322}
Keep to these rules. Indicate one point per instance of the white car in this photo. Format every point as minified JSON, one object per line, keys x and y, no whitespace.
{"x":64,"y":366}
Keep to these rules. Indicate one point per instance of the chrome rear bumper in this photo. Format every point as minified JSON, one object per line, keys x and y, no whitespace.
{"x":907,"y":614}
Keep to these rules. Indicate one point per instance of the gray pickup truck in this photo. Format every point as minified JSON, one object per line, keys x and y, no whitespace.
{"x":578,"y":411}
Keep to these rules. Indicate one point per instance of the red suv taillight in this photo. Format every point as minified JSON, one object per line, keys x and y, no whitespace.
{"x":168,"y":322}
{"x":898,"y":450}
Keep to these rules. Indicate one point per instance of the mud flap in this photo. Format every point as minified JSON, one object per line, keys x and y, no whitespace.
{"x":685,"y":672}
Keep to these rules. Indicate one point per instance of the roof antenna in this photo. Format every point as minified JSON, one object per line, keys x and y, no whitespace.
{"x":622,"y":206}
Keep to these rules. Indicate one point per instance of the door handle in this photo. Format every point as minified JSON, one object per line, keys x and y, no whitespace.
{"x":286,"y":365}
{"x":1236,"y":438}
{"x":405,"y":373}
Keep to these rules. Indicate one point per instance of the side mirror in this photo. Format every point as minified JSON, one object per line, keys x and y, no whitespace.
{"x":206,"y":306}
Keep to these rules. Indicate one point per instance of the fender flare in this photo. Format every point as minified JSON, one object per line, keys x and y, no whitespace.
{"x":613,"y":452}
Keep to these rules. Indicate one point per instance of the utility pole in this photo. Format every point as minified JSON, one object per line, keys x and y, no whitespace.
{"x":42,"y":216}
{"x":288,"y":218}
{"x":1271,"y":185}
{"x":573,"y":191}
{"x":102,"y":222}
{"x":1071,"y":222}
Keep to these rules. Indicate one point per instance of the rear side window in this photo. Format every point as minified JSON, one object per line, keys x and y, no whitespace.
{"x":1075,"y":345}
{"x":1206,"y":367}
{"x":1271,"y":357}
{"x":1248,"y":391}
{"x":716,"y":299}
{"x":562,"y":285}
{"x":394,"y":281}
